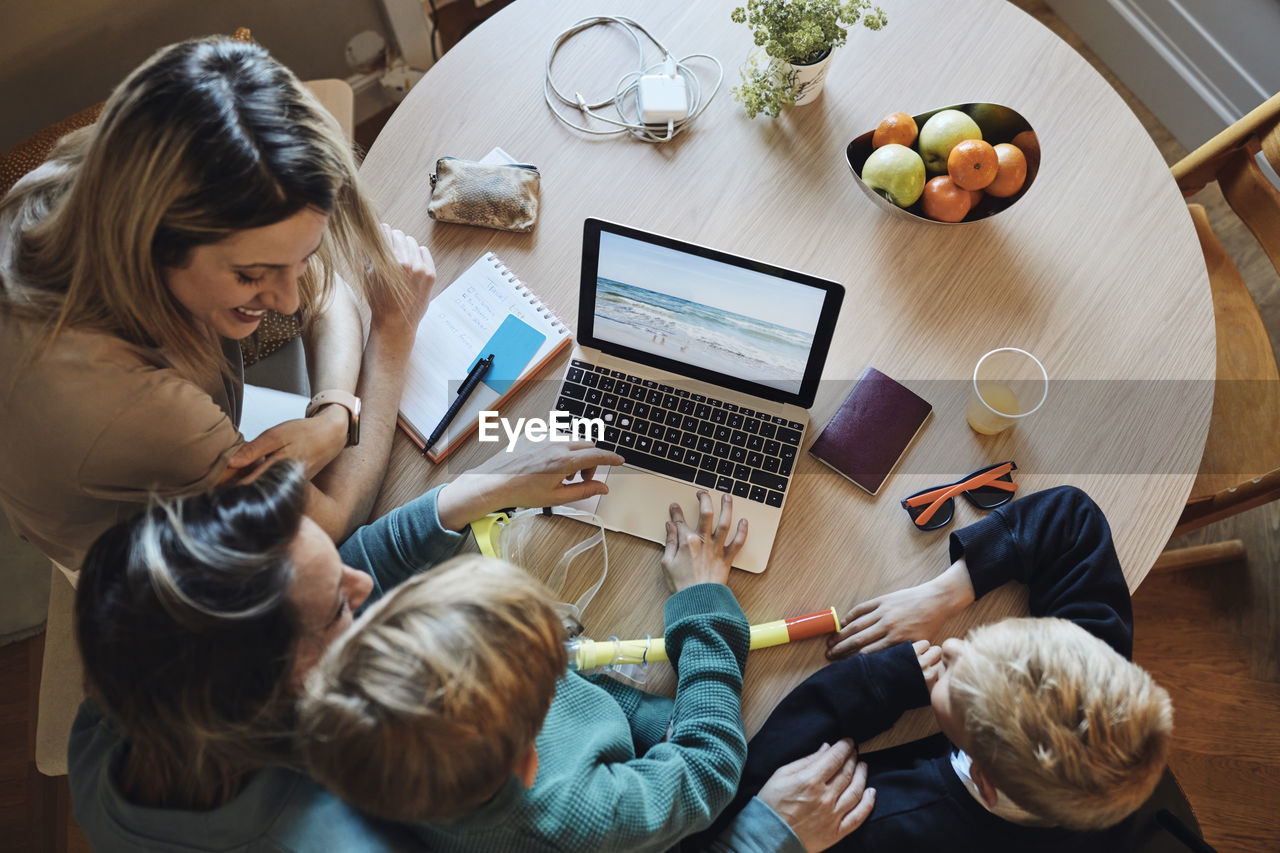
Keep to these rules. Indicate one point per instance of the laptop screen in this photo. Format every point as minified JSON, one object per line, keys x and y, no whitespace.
{"x":706,"y":314}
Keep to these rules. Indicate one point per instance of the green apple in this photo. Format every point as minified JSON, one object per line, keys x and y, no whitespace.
{"x":942,"y":132}
{"x":895,"y":172}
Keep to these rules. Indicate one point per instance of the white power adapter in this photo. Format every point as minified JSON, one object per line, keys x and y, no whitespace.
{"x":663,"y":98}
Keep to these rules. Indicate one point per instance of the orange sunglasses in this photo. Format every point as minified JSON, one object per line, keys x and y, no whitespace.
{"x":986,"y":488}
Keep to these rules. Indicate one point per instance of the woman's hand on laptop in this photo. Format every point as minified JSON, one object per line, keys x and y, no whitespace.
{"x":532,"y":475}
{"x":704,"y":555}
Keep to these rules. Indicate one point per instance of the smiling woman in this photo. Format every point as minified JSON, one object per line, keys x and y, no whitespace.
{"x":212,"y":189}
{"x":232,"y":284}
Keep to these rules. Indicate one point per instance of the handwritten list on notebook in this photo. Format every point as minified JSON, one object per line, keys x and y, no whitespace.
{"x":471,"y":315}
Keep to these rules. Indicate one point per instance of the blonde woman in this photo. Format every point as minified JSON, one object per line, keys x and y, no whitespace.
{"x":213,"y":188}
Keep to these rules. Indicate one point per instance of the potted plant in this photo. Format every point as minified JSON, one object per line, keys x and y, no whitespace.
{"x":797,"y":38}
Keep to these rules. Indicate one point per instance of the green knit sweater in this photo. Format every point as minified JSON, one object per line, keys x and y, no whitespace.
{"x":593,"y":792}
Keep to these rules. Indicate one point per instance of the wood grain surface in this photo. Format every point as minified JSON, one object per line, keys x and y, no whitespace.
{"x":1096,"y":270}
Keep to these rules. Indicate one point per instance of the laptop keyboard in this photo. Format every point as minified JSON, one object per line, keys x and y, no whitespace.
{"x":690,"y":437}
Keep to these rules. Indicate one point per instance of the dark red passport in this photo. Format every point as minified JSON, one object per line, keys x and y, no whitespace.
{"x":872,"y":429}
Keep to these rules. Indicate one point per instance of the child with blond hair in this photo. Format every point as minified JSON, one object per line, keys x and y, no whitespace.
{"x":458,"y":667}
{"x":1051,"y":737}
{"x":448,"y":709}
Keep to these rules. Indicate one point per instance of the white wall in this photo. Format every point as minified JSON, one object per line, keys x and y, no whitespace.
{"x":1197,"y":64}
{"x":60,"y":56}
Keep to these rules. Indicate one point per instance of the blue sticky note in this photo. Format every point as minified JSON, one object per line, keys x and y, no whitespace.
{"x":513,"y":347}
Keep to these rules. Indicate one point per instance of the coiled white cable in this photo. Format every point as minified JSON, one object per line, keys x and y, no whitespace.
{"x":627,"y":86}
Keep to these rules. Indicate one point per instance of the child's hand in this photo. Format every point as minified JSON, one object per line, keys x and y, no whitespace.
{"x":704,"y":556}
{"x":930,"y":657}
{"x":915,"y":613}
{"x":823,"y":797}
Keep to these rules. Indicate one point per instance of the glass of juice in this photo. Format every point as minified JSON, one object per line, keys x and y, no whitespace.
{"x":1009,"y":384}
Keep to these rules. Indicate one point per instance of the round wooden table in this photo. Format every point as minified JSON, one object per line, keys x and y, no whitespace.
{"x":1096,"y":270}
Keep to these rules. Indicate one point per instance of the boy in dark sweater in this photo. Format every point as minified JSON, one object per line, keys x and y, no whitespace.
{"x":1050,"y":738}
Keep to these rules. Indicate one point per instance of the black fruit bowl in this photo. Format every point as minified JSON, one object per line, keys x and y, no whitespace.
{"x":998,"y":124}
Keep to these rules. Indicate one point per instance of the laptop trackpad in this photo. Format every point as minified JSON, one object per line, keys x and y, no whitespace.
{"x":637,"y":504}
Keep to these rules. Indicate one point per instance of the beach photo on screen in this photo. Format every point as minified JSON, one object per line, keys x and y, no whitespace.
{"x":717,"y":316}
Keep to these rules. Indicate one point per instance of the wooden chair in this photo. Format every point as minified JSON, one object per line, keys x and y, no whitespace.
{"x":1240,"y":468}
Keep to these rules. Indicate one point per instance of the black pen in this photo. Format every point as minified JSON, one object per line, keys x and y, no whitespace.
{"x":464,"y":391}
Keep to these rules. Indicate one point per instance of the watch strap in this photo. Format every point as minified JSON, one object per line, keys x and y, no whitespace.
{"x":346,"y":400}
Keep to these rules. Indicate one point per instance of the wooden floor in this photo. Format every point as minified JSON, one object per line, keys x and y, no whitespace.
{"x":1211,"y":637}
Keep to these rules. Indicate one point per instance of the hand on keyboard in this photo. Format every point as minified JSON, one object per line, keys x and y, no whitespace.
{"x":705,"y":555}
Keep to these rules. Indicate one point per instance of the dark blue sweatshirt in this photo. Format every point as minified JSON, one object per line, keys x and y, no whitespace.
{"x":1056,"y":542}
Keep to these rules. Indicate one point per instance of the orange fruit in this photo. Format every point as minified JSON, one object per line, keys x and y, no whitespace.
{"x":944,"y":201}
{"x":1012,"y":172}
{"x":1029,"y":145}
{"x":972,"y":164}
{"x":895,"y":127}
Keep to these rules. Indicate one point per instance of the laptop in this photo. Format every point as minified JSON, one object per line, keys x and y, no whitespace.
{"x":702,"y":366}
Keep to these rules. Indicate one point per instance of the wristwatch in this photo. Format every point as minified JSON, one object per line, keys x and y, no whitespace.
{"x":350,"y":402}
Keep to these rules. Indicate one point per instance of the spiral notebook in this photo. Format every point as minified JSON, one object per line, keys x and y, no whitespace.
{"x":472,"y":314}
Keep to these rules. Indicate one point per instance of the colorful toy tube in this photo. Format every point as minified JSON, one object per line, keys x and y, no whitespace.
{"x":586,"y":655}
